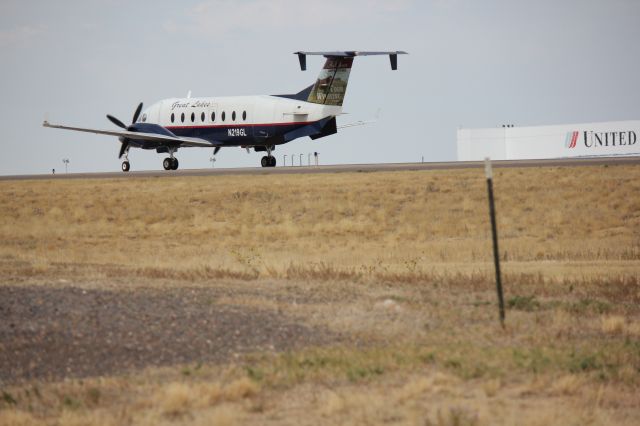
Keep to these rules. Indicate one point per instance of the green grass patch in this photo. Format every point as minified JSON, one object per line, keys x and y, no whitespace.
{"x":7,"y":398}
{"x":524,"y":303}
{"x":588,"y":306}
{"x":463,"y":359}
{"x":71,"y":402}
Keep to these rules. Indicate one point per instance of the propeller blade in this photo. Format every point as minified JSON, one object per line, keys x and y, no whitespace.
{"x":137,"y":113}
{"x":116,"y":121}
{"x":123,"y":148}
{"x":216,"y":150}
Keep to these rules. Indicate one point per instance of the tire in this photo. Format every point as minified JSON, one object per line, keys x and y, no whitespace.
{"x":265,"y":161}
{"x":167,"y":163}
{"x":174,"y":164}
{"x":272,"y":161}
{"x":126,"y":166}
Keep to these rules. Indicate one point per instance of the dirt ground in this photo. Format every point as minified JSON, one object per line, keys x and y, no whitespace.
{"x":346,"y":299}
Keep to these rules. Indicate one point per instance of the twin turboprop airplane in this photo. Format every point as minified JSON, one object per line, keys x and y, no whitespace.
{"x":258,"y":122}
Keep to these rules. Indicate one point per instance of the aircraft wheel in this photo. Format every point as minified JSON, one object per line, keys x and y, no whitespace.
{"x":125,"y":166}
{"x":272,"y":161}
{"x":174,"y":164}
{"x":265,"y":161}
{"x":167,"y":163}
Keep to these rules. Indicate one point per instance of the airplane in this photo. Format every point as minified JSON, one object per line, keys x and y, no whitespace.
{"x":258,"y":122}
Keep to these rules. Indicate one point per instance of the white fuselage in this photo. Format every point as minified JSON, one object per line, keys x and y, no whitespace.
{"x":240,"y":111}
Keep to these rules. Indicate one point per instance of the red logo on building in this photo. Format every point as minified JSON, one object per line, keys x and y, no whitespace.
{"x":572,"y":139}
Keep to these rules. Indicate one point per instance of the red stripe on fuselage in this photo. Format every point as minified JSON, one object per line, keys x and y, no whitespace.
{"x":212,"y":126}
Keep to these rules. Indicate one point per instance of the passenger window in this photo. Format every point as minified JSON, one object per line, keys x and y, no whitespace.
{"x":193,"y":117}
{"x":202,"y":116}
{"x":213,"y":116}
{"x":173,"y":117}
{"x":244,"y":115}
{"x":223,"y":115}
{"x":182,"y":117}
{"x":233,"y":116}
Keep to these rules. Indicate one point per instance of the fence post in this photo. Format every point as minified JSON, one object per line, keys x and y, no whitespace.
{"x":494,"y":231}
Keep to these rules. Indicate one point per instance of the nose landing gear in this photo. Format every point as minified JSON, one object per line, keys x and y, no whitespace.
{"x":126,"y":166}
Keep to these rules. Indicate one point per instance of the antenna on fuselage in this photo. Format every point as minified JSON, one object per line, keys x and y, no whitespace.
{"x":189,"y":94}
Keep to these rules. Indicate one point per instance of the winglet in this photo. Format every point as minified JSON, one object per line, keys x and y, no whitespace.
{"x":303,"y":61}
{"x":394,"y":61}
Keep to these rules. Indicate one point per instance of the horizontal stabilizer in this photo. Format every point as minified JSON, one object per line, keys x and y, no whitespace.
{"x":393,"y":56}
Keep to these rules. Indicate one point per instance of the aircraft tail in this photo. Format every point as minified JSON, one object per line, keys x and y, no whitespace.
{"x":331,"y":85}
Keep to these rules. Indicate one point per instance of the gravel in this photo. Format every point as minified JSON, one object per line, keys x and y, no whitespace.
{"x":55,"y":333}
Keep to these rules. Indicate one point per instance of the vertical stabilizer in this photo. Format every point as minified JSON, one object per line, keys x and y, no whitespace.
{"x":331,"y":85}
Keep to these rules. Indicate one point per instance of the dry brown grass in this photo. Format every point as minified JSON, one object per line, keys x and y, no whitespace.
{"x":399,"y":263}
{"x":555,"y":221}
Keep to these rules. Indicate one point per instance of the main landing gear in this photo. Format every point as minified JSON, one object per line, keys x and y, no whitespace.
{"x":170,"y":163}
{"x":268,"y":161}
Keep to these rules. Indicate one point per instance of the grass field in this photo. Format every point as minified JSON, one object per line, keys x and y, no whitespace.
{"x":398,"y":264}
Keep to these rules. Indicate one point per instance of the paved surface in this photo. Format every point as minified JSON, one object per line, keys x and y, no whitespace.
{"x":565,"y":162}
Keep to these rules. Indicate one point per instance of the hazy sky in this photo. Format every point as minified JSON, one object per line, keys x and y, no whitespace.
{"x":472,"y":63}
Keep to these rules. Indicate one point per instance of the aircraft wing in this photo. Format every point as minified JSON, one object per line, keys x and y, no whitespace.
{"x":153,"y":137}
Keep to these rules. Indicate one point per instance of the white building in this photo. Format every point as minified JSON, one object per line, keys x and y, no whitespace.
{"x":540,"y":142}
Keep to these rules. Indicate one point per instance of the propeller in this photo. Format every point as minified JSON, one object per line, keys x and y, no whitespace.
{"x":131,"y":128}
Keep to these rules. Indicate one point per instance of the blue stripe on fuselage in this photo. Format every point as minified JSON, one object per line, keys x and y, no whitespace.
{"x":238,"y":134}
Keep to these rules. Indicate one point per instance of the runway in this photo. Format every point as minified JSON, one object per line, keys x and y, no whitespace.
{"x":340,"y":168}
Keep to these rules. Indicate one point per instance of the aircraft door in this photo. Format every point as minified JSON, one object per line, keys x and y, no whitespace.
{"x":160,"y":113}
{"x":262,"y":116}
